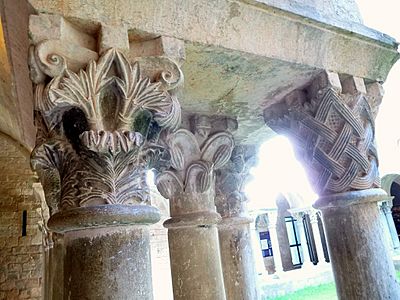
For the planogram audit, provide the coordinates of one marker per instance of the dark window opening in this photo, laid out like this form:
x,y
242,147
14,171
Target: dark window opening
x,y
294,241
24,220
266,245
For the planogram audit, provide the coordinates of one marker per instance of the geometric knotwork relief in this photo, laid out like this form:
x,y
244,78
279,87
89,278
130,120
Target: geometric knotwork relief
x,y
333,134
98,130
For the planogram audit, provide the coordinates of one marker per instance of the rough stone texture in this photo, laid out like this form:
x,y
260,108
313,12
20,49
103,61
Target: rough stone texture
x,y
54,271
21,259
326,11
362,266
196,263
250,53
108,264
238,262
16,100
283,238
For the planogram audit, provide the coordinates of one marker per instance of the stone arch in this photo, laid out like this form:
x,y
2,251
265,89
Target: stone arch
x,y
388,180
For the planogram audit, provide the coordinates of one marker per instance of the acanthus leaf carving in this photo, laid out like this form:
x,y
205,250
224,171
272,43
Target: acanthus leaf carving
x,y
57,163
169,184
184,149
109,179
218,149
110,156
193,166
230,181
199,176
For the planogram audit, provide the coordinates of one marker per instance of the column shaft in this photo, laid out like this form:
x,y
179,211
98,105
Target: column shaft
x,y
392,227
238,262
108,263
304,245
317,238
365,269
195,263
274,241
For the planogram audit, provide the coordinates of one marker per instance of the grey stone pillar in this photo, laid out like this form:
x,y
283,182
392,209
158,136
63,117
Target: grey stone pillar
x,y
304,245
365,269
331,123
272,219
194,250
317,237
394,238
190,186
237,258
257,251
107,252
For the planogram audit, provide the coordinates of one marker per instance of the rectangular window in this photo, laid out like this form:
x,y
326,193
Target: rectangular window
x,y
266,246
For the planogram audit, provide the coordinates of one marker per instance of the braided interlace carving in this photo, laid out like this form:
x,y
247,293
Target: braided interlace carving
x,y
333,133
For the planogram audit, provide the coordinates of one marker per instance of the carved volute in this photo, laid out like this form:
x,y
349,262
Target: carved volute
x,y
98,127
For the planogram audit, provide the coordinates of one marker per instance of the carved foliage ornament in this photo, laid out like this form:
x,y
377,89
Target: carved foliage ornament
x,y
95,132
193,165
231,180
333,134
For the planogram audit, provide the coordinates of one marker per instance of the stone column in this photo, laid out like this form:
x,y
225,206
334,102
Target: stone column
x,y
96,115
387,210
192,231
234,233
331,123
317,236
257,252
107,251
272,219
304,245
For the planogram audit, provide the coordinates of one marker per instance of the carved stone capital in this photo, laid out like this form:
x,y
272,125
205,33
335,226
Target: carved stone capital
x,y
230,199
99,122
331,123
195,157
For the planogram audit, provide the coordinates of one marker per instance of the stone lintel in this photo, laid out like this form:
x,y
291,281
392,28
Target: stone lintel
x,y
246,26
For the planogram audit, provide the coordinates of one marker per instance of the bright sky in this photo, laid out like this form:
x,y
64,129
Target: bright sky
x,y
279,171
383,16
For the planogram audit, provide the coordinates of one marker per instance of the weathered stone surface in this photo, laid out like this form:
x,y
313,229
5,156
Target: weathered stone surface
x,y
234,233
331,123
190,186
16,98
362,266
108,264
101,216
238,263
21,256
250,53
92,148
196,263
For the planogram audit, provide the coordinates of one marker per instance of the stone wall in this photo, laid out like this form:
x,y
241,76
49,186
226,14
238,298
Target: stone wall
x,y
21,264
